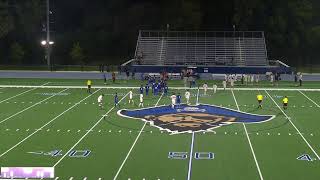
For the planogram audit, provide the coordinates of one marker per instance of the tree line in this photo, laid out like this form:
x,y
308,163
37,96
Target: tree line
x,y
105,31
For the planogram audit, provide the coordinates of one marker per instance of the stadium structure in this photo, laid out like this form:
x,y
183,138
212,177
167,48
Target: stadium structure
x,y
219,52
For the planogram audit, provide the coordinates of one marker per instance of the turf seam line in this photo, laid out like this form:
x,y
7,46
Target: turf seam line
x,y
305,140
31,106
248,138
68,152
21,93
134,143
46,124
309,99
136,87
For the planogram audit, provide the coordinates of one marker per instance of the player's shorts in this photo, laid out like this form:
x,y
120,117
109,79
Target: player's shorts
x,y
89,86
285,104
260,101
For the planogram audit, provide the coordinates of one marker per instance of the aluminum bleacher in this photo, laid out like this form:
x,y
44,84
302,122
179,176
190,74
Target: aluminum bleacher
x,y
210,48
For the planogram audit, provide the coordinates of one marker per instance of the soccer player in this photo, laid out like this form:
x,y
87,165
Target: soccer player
x,y
173,100
113,77
131,97
300,79
141,100
232,82
205,87
178,99
259,98
104,78
187,95
153,88
165,90
100,98
116,100
285,102
141,89
89,83
147,89
214,87
224,83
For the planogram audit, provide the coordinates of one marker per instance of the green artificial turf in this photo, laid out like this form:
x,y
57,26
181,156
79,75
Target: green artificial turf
x,y
42,120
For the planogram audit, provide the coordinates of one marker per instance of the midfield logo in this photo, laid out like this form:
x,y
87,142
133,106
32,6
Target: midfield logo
x,y
188,119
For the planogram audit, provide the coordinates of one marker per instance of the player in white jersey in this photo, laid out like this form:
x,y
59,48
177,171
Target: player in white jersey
x,y
205,87
224,83
141,100
187,96
100,98
131,97
214,87
173,100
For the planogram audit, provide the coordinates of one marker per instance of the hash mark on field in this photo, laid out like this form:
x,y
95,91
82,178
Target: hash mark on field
x,y
56,178
70,178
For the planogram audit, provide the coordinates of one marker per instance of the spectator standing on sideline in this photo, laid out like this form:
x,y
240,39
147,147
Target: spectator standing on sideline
x,y
300,79
113,77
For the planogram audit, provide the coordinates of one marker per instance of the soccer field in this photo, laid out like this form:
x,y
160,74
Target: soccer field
x,y
56,123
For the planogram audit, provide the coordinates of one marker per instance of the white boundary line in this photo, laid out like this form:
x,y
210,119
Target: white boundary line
x,y
305,140
191,157
87,133
31,106
309,99
134,143
137,87
248,138
47,124
33,88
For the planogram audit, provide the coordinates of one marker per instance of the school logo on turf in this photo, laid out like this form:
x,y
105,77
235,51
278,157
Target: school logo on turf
x,y
192,118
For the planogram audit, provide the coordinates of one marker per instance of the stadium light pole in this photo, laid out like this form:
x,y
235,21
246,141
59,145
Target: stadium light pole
x,y
48,35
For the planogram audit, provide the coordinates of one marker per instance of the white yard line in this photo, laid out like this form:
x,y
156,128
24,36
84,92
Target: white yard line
x,y
134,143
91,129
33,88
190,157
248,138
31,106
176,88
46,124
305,140
309,98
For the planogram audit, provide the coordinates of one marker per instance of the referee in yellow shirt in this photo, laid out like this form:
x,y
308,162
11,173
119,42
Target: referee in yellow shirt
x,y
259,98
285,101
89,83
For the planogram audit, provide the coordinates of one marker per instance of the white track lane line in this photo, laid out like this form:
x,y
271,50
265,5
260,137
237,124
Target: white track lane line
x,y
248,138
91,129
23,92
134,143
47,124
309,98
31,106
305,140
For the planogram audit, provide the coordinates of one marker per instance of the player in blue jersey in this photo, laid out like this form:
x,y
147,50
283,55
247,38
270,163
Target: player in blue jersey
x,y
116,100
178,100
155,91
165,90
147,89
141,89
153,86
